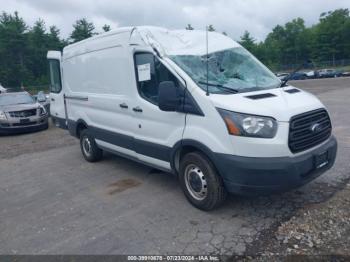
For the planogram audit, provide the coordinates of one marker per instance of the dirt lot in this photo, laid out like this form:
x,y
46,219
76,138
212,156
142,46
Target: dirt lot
x,y
54,202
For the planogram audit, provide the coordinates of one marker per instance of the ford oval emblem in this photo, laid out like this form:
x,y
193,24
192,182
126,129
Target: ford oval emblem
x,y
315,128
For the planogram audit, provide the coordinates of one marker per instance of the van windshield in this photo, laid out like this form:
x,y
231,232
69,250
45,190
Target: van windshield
x,y
233,68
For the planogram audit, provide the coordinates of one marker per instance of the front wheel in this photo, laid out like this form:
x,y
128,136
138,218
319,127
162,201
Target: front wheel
x,y
202,185
89,148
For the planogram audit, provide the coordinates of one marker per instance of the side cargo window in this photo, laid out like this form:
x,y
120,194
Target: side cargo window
x,y
55,76
150,72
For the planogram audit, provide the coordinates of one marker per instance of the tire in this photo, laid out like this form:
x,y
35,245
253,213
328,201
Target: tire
x,y
89,148
202,185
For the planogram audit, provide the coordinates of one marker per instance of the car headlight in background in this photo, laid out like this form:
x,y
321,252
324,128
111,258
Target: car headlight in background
x,y
42,110
2,116
240,124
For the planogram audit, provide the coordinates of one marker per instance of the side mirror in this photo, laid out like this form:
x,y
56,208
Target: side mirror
x,y
168,98
41,97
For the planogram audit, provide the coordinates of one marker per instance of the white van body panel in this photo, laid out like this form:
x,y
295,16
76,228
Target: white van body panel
x,y
57,108
96,71
98,75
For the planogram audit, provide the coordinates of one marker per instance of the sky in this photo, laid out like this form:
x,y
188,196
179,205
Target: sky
x,y
232,16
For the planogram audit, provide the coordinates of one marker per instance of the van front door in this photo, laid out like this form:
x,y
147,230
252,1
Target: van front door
x,y
156,131
57,107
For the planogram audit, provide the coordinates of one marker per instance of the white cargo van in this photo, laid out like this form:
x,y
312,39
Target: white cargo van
x,y
208,112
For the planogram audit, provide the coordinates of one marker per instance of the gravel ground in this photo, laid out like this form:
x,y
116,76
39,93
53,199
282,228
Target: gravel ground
x,y
15,145
318,231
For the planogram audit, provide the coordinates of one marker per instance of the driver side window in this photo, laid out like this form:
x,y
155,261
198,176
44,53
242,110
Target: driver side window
x,y
150,73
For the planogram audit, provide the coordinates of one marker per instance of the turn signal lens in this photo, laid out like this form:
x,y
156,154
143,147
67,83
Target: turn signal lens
x,y
231,127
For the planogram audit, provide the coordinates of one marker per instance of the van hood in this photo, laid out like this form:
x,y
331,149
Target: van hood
x,y
276,103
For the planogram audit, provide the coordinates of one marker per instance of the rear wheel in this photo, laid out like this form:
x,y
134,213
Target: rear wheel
x,y
202,185
89,148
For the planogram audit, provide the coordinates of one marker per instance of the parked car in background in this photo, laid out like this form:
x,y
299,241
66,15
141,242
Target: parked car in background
x,y
312,74
327,73
43,99
298,76
19,112
346,74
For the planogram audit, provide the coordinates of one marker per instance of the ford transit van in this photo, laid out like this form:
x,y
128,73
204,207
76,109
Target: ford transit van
x,y
192,103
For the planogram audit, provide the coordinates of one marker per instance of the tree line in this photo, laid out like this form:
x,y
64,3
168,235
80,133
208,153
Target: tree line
x,y
23,48
294,43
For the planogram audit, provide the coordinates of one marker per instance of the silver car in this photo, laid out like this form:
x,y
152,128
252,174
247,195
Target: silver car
x,y
20,113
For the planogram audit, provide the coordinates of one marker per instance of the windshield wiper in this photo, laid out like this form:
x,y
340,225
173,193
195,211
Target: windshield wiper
x,y
225,88
287,78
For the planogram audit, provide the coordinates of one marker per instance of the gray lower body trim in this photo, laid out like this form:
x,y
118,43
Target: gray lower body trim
x,y
128,142
126,153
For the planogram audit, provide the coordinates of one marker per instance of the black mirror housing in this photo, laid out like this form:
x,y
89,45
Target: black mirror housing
x,y
168,97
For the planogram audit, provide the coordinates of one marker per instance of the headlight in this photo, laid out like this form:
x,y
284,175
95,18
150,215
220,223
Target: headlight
x,y
42,111
239,124
2,116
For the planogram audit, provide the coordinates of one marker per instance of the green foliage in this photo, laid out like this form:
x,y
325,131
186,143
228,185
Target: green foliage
x,y
106,28
248,42
23,49
293,43
82,29
211,28
189,27
13,49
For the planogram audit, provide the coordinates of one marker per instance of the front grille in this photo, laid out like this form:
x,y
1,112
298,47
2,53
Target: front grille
x,y
308,130
24,113
24,124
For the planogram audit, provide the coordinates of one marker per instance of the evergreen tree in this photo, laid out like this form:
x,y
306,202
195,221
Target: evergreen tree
x,y
82,29
106,28
13,50
211,28
189,27
248,42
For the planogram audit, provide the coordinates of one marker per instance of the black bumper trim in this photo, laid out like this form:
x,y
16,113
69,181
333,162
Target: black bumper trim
x,y
260,176
23,129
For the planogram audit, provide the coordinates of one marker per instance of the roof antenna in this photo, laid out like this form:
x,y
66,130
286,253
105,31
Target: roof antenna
x,y
207,60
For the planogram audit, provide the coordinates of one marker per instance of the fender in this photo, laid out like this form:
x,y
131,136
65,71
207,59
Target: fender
x,y
192,143
73,126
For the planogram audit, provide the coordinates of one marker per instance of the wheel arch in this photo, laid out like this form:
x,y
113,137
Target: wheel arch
x,y
75,127
185,146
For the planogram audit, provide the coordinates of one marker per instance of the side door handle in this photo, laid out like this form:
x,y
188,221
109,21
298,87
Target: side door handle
x,y
137,109
123,105
52,99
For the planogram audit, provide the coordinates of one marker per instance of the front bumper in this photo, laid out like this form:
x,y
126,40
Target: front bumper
x,y
261,176
43,124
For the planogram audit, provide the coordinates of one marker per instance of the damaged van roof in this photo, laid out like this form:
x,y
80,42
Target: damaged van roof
x,y
185,42
167,42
